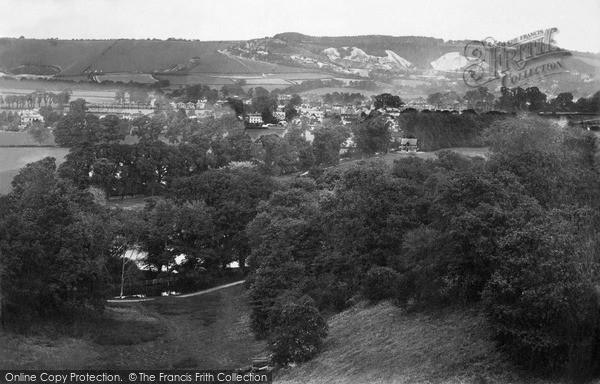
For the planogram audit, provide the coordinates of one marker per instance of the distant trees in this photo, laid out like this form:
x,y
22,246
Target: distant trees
x,y
78,128
445,130
479,97
327,143
443,100
343,98
386,100
372,136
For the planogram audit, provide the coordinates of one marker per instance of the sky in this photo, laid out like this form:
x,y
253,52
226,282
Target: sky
x,y
578,21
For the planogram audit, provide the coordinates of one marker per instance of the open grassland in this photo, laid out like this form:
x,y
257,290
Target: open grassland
x,y
209,331
383,344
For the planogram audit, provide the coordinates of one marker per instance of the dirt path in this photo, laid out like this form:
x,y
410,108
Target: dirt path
x,y
180,296
208,330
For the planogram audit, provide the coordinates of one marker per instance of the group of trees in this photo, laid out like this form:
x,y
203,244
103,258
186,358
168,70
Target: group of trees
x,y
133,94
437,130
10,120
39,98
532,99
343,98
53,248
515,100
515,233
78,128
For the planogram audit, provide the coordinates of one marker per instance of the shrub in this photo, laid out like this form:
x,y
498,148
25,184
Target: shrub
x,y
380,283
269,282
299,332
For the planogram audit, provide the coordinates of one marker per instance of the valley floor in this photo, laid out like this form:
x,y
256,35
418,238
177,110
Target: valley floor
x,y
209,331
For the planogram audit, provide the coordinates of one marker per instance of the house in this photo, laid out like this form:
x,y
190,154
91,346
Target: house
x,y
279,115
255,119
29,116
284,98
408,145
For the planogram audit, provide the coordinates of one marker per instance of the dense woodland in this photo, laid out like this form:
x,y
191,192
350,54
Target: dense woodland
x,y
513,235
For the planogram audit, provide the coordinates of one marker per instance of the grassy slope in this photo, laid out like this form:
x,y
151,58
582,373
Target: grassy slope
x,y
383,344
210,331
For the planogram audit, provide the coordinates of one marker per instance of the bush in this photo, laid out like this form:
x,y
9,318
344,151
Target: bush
x,y
380,284
405,288
299,332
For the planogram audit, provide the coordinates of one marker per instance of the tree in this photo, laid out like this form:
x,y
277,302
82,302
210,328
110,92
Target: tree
x,y
77,127
237,105
327,143
536,99
562,103
38,132
373,135
479,98
149,128
120,96
279,157
380,283
295,101
512,99
234,195
386,100
54,246
541,300
112,129
157,234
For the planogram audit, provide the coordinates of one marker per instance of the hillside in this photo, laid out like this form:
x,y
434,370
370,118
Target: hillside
x,y
209,331
270,62
383,344
76,57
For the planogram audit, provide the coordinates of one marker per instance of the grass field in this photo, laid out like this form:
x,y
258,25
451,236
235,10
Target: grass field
x,y
210,331
12,159
383,344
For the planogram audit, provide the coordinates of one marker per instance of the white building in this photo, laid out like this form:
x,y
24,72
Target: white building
x,y
255,119
30,116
